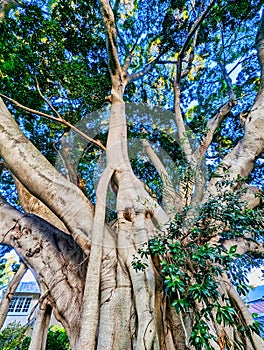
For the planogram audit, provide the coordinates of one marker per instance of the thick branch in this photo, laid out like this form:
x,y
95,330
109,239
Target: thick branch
x,y
245,245
111,32
54,257
10,292
240,161
43,181
33,205
184,140
58,119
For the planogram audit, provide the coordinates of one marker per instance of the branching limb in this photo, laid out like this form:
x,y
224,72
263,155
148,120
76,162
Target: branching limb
x,y
191,33
170,197
195,26
183,136
143,72
10,292
149,67
47,101
58,119
217,119
130,54
43,181
157,60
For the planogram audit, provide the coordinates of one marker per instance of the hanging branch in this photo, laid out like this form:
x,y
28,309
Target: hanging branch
x,y
58,119
90,313
41,326
10,292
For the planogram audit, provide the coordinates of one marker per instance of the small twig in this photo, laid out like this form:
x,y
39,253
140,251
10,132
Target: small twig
x,y
130,54
46,100
140,74
228,82
166,62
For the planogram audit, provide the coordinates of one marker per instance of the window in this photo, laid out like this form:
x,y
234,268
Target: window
x,y
20,304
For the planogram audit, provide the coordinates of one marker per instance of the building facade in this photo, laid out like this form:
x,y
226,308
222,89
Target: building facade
x,y
23,304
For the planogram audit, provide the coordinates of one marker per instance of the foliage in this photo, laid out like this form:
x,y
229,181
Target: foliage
x,y
57,339
13,337
8,267
191,265
62,46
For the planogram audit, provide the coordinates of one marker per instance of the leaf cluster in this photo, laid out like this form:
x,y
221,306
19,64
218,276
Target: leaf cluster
x,y
14,337
191,265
